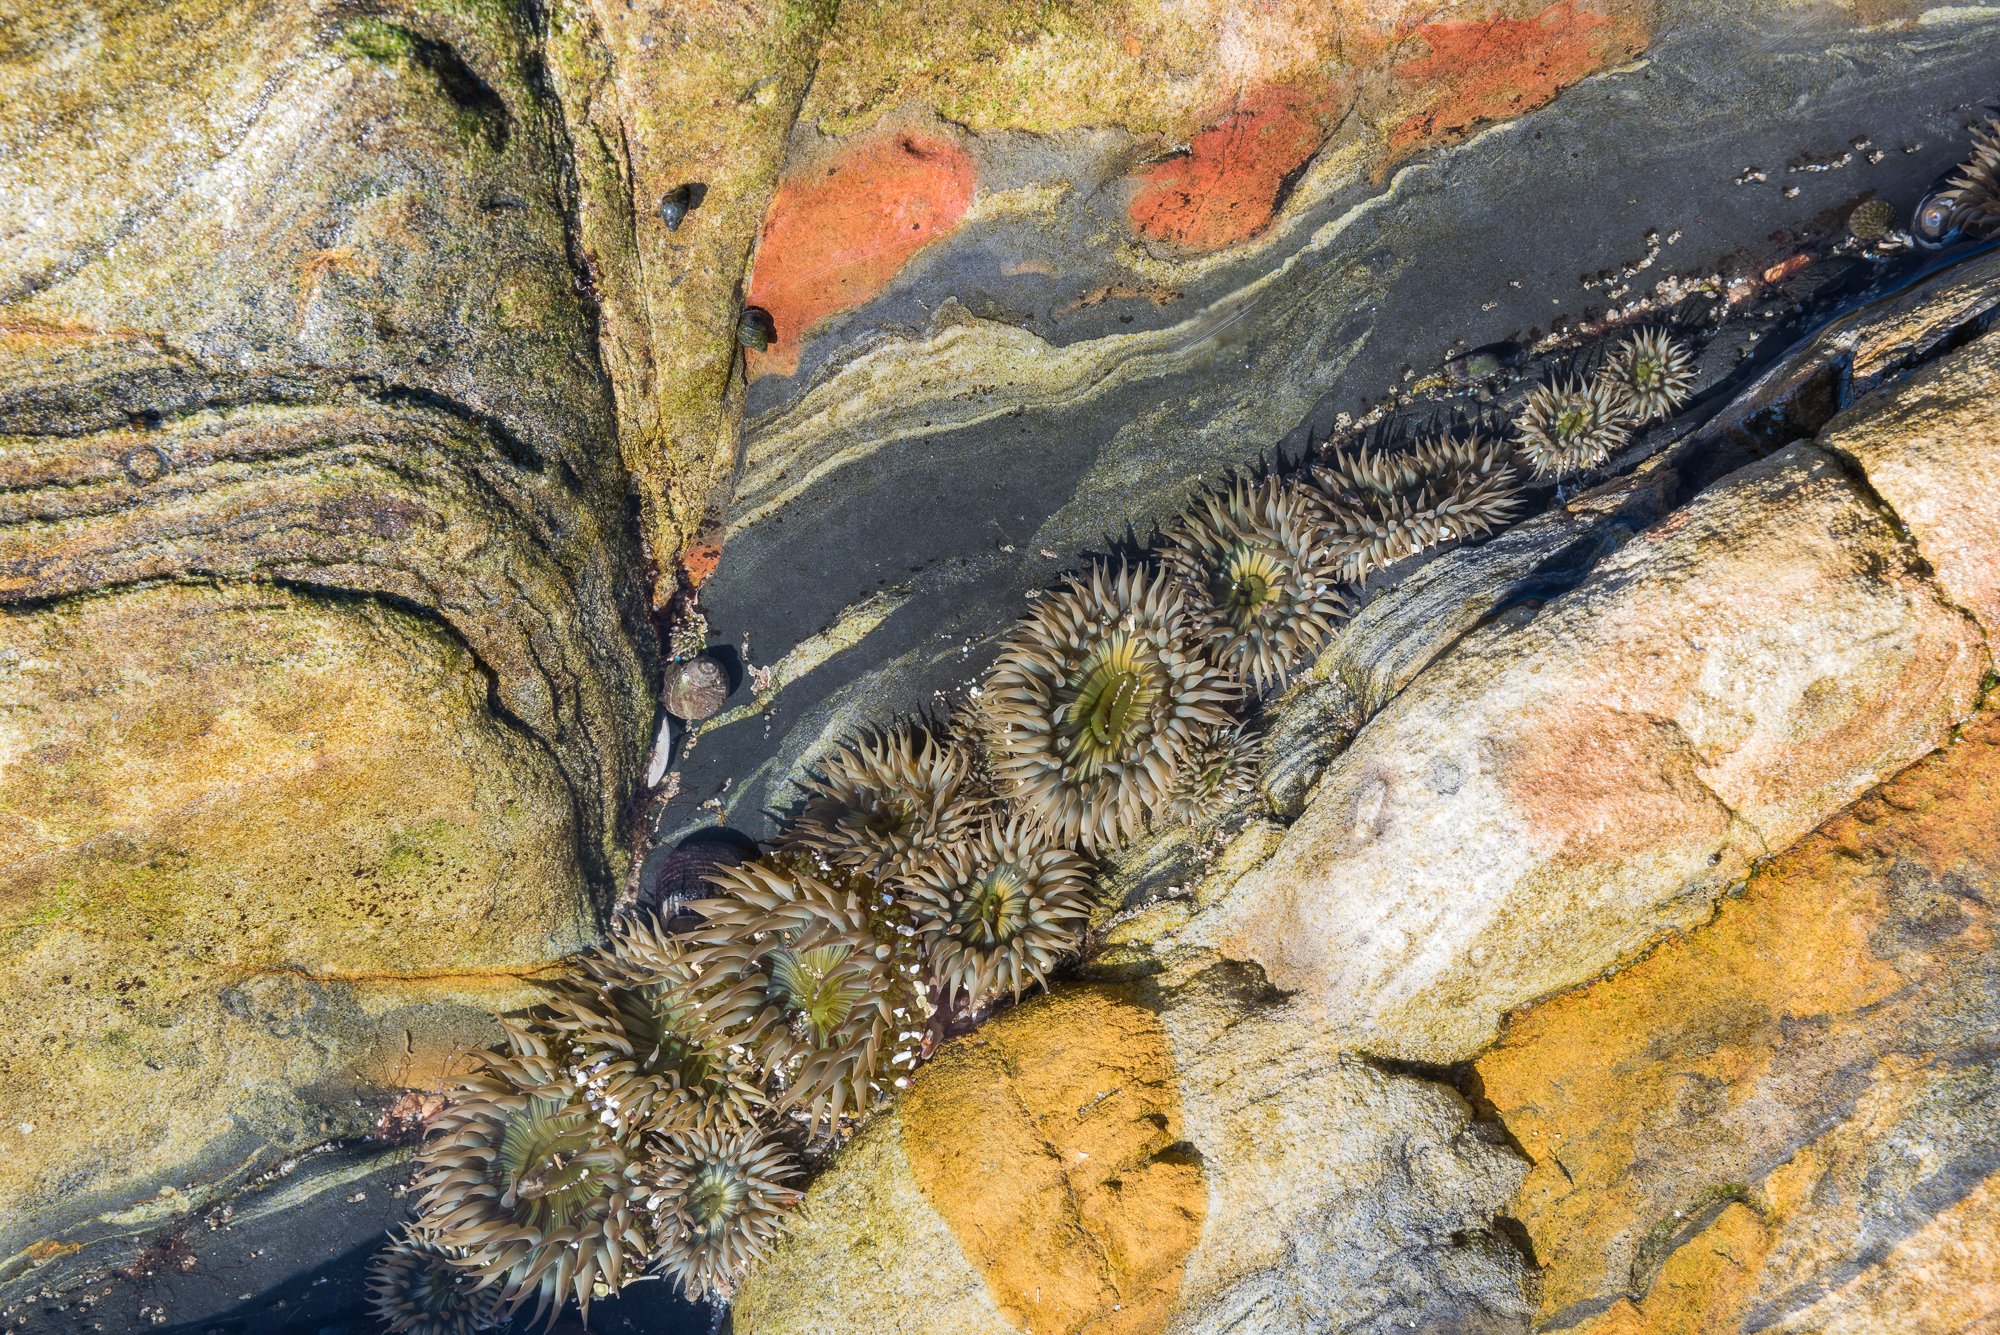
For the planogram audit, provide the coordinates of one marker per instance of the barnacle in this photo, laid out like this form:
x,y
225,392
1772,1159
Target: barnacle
x,y
1258,578
648,1035
1570,427
1384,507
1974,195
1220,769
834,962
887,802
1093,701
1000,909
523,1176
1651,372
418,1286
719,1201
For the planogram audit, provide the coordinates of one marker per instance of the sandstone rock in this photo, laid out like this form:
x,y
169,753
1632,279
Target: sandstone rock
x,y
1566,785
1784,1120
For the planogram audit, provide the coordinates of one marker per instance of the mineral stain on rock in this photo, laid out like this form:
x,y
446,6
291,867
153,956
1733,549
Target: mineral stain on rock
x,y
838,233
1499,67
1234,175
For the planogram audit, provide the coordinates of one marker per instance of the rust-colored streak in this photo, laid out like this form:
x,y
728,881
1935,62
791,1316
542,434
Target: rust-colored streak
x,y
1225,188
836,235
1503,67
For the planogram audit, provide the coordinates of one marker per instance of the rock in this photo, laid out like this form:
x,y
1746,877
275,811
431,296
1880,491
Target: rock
x,y
1785,1120
1565,785
696,689
1103,1159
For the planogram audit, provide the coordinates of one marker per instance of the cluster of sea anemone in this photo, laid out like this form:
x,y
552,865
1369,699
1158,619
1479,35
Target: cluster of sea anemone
x,y
1574,425
643,1119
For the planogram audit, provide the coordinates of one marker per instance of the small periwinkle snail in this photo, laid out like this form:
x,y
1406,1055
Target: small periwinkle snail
x,y
755,328
678,202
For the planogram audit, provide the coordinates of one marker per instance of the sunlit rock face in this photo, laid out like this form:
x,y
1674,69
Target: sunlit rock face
x,y
324,649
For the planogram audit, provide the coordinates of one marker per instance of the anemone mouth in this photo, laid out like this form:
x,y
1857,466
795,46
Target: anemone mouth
x,y
887,802
1092,699
818,988
420,1287
1381,508
1105,710
1000,911
543,1170
1572,426
720,1200
1649,375
994,908
1259,580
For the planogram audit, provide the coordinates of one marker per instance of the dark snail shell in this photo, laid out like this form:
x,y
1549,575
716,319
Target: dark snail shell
x,y
674,206
755,328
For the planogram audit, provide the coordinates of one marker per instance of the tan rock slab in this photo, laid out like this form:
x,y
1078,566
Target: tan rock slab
x,y
1564,787
1931,451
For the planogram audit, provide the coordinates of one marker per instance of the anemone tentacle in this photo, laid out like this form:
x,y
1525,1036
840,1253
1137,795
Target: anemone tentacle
x,y
887,802
1974,195
1258,578
1220,770
1094,700
523,1176
1384,507
1651,373
998,911
419,1287
719,1200
1571,427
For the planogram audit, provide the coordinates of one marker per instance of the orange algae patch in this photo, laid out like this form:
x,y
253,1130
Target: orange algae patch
x,y
1504,67
837,233
1226,187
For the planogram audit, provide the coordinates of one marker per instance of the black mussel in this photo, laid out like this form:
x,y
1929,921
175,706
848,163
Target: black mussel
x,y
755,328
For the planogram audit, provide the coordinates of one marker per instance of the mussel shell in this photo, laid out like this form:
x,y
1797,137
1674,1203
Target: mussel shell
x,y
1934,223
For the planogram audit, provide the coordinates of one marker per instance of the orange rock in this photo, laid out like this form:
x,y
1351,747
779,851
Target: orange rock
x,y
838,232
1227,186
1502,67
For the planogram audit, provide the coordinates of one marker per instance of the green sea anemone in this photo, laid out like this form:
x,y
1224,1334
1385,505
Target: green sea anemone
x,y
1651,373
1258,578
719,1201
999,910
1975,192
1094,700
1220,770
1571,427
1387,506
886,803
417,1286
523,1177
838,966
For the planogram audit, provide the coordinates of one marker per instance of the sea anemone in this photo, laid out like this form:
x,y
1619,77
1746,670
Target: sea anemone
x,y
719,1201
1652,373
1220,770
1000,909
1093,702
1567,428
523,1176
648,1053
1387,506
885,804
836,964
1975,192
418,1286
1258,578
